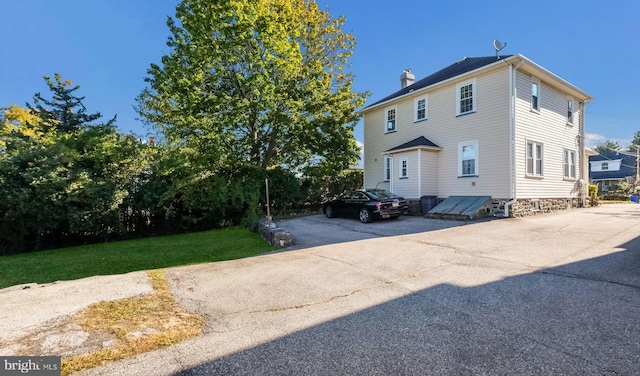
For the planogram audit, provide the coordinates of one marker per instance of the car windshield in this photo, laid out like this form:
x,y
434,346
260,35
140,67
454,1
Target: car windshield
x,y
381,194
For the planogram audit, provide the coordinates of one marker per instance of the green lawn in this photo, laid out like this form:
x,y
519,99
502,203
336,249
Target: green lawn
x,y
130,255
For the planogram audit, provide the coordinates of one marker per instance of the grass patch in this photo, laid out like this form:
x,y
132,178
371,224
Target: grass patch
x,y
139,325
130,255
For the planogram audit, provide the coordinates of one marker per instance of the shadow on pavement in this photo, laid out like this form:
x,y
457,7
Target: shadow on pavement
x,y
574,319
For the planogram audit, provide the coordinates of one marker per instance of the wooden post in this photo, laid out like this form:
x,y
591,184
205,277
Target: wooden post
x,y
266,182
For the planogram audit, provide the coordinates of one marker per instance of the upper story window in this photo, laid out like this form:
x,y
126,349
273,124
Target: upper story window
x,y
466,94
390,119
468,158
534,158
420,108
569,164
570,111
535,94
604,166
404,168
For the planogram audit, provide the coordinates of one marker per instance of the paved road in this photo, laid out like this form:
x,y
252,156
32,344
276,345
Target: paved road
x,y
554,294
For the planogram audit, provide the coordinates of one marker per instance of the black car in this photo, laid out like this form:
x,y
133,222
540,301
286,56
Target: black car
x,y
367,205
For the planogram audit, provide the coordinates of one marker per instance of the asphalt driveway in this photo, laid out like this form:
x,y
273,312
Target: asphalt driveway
x,y
553,294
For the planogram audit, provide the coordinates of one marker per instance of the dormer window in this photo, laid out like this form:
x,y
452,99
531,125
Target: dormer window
x,y
604,166
390,120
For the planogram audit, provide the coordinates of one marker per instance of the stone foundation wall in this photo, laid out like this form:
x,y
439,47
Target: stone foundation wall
x,y
528,207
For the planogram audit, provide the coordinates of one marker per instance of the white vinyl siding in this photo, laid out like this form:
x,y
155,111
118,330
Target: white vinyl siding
x,y
548,128
439,169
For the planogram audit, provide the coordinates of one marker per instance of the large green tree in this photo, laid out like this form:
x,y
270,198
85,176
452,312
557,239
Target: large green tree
x,y
635,143
260,83
608,145
62,179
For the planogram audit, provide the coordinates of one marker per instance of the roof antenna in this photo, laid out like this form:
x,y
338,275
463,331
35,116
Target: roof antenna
x,y
498,46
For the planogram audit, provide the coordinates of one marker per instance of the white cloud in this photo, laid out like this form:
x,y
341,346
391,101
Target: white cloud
x,y
591,140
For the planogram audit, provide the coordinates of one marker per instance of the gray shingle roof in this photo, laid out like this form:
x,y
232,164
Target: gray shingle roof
x,y
459,67
627,168
420,141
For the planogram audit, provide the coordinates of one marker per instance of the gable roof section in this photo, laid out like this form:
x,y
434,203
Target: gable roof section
x,y
627,167
459,67
420,142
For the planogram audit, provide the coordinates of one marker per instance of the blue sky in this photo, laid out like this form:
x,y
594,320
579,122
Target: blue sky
x,y
106,46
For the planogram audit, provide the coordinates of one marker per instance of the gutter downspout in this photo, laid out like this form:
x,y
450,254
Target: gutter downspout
x,y
512,135
584,187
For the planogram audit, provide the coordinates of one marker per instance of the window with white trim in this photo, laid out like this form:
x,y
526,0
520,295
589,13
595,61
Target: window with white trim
x,y
404,168
569,111
420,108
390,119
604,166
466,94
569,164
387,168
468,158
534,158
535,94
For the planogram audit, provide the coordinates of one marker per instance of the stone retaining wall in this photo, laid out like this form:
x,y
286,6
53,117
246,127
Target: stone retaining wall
x,y
273,234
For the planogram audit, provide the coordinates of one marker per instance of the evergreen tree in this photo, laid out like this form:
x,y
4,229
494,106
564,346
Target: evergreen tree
x,y
64,112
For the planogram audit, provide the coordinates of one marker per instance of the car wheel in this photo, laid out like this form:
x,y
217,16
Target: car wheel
x,y
365,215
328,211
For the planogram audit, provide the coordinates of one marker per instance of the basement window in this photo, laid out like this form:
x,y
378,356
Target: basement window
x,y
535,205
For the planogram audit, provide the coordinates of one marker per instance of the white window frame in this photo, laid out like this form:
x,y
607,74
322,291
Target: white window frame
x,y
387,168
537,169
536,81
403,168
416,108
388,110
570,111
604,166
474,97
569,166
476,164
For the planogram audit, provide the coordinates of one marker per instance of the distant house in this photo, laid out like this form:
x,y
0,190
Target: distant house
x,y
609,168
505,129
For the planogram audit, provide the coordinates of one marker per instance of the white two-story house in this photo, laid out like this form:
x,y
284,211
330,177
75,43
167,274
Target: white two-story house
x,y
498,127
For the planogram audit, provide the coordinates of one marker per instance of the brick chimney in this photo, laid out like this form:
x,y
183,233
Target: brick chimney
x,y
406,78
